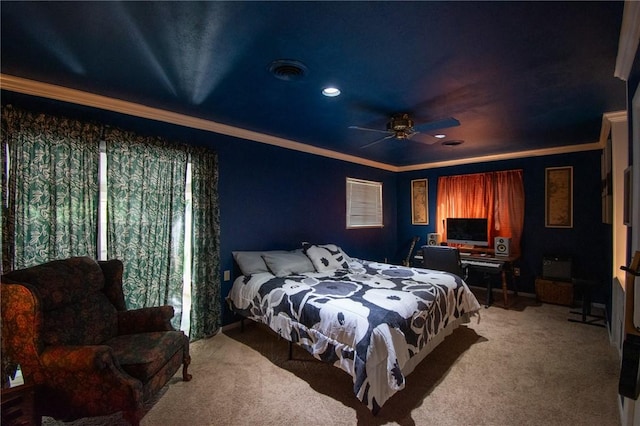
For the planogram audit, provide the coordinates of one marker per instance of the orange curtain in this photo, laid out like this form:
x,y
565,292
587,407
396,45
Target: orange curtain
x,y
498,196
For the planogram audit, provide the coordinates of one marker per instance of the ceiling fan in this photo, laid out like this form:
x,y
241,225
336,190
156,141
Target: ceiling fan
x,y
401,126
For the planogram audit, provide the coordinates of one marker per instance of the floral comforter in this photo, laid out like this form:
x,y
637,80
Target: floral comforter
x,y
368,320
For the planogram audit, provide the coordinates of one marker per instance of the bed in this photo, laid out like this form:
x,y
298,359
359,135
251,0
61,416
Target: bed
x,y
373,320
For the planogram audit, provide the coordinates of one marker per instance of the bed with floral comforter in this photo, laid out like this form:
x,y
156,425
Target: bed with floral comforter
x,y
373,320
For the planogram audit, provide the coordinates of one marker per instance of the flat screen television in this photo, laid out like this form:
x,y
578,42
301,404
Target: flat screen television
x,y
468,231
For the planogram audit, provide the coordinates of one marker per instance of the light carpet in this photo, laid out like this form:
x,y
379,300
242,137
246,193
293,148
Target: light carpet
x,y
524,366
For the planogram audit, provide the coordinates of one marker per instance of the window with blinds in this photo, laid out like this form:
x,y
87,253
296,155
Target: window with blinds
x,y
364,204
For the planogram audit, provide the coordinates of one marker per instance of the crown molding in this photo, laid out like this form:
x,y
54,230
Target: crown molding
x,y
609,118
65,94
629,38
507,156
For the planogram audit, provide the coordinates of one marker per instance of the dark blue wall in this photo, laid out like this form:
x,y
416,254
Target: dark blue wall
x,y
270,197
588,243
274,198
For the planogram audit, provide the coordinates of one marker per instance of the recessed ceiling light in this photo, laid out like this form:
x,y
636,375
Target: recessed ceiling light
x,y
440,136
331,92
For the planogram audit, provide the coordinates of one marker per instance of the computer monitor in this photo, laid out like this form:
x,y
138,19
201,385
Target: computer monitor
x,y
468,231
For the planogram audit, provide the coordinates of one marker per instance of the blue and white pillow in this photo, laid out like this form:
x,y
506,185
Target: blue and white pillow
x,y
326,257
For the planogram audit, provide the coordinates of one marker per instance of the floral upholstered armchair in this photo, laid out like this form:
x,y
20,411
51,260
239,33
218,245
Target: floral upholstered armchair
x,y
65,322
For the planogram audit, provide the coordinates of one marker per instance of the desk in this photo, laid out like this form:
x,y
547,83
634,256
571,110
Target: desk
x,y
488,265
492,265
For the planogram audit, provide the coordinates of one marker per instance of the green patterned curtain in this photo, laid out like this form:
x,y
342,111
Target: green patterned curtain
x,y
205,286
50,209
145,215
52,189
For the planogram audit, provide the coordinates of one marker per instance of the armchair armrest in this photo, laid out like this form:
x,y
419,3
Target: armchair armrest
x,y
156,318
77,358
21,324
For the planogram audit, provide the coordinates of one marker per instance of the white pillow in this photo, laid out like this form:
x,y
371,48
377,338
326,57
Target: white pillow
x,y
327,257
289,263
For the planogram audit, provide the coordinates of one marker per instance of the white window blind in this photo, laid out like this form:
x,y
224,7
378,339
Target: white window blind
x,y
364,204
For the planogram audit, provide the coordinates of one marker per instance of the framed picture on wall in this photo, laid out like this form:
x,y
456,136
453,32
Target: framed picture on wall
x,y
559,197
419,202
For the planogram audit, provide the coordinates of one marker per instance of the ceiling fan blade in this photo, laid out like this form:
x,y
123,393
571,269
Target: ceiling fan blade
x,y
437,124
369,130
423,138
377,141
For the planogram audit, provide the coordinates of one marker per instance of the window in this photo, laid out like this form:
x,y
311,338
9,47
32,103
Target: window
x,y
364,204
103,252
497,196
85,189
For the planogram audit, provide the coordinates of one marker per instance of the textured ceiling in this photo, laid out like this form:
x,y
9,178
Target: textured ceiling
x,y
518,76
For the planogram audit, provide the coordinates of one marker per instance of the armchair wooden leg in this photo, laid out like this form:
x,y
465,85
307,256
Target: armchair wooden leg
x,y
186,360
133,416
185,364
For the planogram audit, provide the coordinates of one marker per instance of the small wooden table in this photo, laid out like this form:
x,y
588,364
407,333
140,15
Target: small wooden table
x,y
18,406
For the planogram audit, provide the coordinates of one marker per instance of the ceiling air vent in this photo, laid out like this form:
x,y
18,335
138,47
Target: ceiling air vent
x,y
288,70
453,142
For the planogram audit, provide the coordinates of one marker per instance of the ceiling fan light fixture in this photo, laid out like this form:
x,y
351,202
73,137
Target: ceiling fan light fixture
x,y
400,123
331,91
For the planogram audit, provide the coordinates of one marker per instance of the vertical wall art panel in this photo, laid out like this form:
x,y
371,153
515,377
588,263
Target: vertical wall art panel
x,y
559,197
419,202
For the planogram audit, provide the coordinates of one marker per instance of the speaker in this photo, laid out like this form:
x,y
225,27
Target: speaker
x,y
433,239
502,246
629,384
554,267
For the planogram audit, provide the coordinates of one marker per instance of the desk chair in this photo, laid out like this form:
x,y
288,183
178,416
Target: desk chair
x,y
443,258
